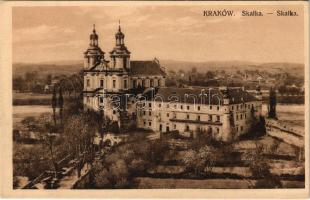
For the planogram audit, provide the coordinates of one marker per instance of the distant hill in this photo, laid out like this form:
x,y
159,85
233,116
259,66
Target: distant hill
x,y
232,66
69,67
57,68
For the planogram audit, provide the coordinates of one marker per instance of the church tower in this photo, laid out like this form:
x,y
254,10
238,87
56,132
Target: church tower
x,y
93,55
120,56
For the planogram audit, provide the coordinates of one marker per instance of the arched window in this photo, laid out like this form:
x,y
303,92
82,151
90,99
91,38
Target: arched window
x,y
125,84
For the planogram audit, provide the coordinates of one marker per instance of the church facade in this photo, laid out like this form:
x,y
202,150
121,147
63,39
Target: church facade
x,y
134,91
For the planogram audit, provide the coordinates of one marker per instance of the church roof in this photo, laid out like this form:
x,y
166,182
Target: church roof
x,y
213,96
146,68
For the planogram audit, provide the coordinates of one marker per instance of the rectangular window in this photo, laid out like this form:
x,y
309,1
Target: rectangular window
x,y
151,83
101,99
232,107
198,117
218,118
134,83
210,117
101,83
114,83
241,128
150,105
144,113
181,107
167,114
87,83
159,105
174,115
236,116
198,107
150,123
125,84
187,116
237,107
144,122
187,107
150,113
217,107
210,107
240,116
175,126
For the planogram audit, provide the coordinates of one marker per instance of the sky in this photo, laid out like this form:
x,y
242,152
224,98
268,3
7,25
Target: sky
x,y
50,34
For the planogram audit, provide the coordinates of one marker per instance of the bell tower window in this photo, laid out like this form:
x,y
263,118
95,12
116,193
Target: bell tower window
x,y
114,83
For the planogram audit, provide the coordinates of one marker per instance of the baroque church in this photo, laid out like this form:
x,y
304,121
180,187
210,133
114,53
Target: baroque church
x,y
116,86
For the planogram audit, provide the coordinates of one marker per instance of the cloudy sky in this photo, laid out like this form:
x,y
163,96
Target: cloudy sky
x,y
47,34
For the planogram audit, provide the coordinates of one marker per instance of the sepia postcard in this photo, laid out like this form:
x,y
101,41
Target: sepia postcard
x,y
154,99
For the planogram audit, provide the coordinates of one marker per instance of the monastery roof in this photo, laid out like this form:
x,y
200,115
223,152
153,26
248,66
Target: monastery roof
x,y
213,96
146,68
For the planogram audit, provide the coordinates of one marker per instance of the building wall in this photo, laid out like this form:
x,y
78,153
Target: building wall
x,y
158,81
187,118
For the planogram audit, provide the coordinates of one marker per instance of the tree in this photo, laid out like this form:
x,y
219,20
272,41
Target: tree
x,y
210,75
260,168
49,79
257,162
272,103
19,84
119,174
201,161
29,122
100,176
282,89
54,105
60,104
78,135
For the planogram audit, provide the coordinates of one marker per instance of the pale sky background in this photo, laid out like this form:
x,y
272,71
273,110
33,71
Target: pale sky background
x,y
47,34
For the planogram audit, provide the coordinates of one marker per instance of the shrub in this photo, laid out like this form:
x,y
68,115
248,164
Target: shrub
x,y
101,176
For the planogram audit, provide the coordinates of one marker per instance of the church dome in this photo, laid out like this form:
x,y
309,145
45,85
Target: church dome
x,y
119,34
94,35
